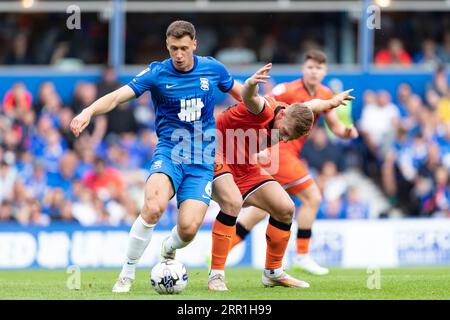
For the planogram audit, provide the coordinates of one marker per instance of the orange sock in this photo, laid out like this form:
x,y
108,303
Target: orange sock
x,y
235,240
223,231
303,245
277,238
240,235
303,239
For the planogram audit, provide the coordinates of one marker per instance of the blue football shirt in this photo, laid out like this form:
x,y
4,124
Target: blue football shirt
x,y
182,98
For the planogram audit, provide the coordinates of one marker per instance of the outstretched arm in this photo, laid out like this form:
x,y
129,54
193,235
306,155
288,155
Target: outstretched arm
x,y
338,128
250,97
100,106
320,105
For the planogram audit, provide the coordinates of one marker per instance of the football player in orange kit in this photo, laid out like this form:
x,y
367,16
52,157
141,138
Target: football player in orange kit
x,y
292,173
238,178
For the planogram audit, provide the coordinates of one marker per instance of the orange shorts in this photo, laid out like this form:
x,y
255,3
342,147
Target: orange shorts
x,y
248,177
291,172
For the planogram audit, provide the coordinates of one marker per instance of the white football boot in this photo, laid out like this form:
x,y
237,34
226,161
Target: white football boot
x,y
283,280
166,255
217,283
306,263
123,284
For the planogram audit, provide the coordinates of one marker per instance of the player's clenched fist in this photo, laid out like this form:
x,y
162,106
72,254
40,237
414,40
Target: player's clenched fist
x,y
80,122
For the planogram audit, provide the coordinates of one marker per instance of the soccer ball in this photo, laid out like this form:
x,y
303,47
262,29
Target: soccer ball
x,y
169,277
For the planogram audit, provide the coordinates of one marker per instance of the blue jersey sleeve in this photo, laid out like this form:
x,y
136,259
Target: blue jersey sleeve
x,y
143,81
226,81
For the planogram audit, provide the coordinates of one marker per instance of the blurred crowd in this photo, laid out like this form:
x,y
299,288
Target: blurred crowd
x,y
406,146
233,39
47,175
328,160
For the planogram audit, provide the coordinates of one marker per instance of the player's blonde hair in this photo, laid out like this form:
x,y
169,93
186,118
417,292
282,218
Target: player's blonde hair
x,y
301,118
180,28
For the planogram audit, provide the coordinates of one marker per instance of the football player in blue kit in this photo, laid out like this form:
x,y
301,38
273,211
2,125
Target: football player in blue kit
x,y
182,89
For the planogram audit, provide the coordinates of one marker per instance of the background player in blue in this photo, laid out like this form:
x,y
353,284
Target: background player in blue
x,y
182,92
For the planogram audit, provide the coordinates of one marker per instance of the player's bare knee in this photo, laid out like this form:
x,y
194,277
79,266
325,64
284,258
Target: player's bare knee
x,y
187,233
152,211
284,212
150,217
312,200
231,206
315,200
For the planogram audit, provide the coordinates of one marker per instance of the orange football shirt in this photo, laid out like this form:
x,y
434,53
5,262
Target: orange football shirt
x,y
238,117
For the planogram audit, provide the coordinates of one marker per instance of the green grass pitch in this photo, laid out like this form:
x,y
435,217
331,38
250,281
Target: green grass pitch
x,y
243,283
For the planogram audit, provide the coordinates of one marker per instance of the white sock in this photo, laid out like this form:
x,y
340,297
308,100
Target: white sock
x,y
273,273
128,270
174,242
213,272
138,240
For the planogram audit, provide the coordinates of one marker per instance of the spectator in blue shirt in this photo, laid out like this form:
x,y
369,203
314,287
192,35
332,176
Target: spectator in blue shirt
x,y
66,174
354,206
36,184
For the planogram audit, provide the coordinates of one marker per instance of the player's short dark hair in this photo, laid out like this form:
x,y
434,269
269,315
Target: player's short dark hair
x,y
316,55
301,117
178,29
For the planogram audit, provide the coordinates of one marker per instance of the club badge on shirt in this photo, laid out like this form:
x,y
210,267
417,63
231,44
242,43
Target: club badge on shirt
x,y
204,84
